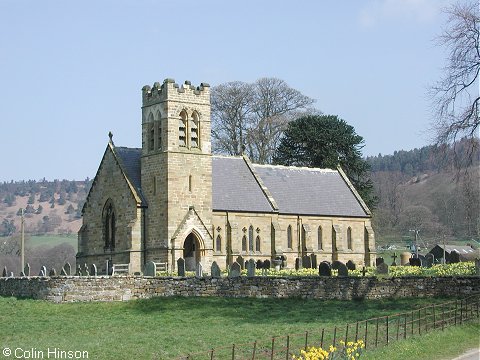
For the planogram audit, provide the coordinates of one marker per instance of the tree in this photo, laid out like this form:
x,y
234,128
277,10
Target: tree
x,y
252,117
455,97
326,141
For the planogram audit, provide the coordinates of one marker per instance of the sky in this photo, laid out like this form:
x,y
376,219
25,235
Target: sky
x,y
71,71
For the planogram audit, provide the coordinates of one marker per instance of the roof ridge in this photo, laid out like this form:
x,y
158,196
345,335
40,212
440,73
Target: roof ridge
x,y
260,183
291,167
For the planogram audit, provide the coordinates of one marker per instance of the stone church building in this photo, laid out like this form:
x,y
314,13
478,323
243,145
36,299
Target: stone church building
x,y
172,198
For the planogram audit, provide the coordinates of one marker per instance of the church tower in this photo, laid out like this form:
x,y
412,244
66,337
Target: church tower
x,y
176,173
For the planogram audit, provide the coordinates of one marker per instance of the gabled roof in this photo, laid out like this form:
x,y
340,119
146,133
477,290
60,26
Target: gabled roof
x,y
461,249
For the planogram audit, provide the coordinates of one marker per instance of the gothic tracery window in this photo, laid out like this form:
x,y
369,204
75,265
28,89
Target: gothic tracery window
x,y
182,129
109,225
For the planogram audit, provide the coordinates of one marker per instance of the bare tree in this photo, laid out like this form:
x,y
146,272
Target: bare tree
x,y
456,96
252,117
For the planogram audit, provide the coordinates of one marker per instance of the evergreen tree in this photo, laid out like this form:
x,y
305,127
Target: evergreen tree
x,y
327,141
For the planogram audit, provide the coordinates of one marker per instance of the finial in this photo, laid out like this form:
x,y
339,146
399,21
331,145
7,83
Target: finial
x,y
110,135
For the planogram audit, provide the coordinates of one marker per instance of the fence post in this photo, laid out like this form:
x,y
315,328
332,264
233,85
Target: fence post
x,y
419,322
387,329
455,317
443,316
321,341
211,354
405,327
461,311
306,340
346,335
366,333
356,332
398,326
413,314
288,347
254,350
376,334
434,320
273,344
334,336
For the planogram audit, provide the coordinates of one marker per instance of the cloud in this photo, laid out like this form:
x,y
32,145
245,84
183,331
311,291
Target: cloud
x,y
419,11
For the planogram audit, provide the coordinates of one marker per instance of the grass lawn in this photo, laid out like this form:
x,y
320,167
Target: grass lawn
x,y
170,327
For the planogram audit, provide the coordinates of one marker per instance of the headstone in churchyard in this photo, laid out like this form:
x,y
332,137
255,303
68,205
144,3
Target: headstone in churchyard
x,y
251,268
259,264
79,271
313,261
44,269
404,256
351,265
93,270
364,270
266,264
298,264
454,257
150,269
181,267
414,261
379,261
340,267
26,269
52,272
22,274
423,260
394,257
382,269
199,270
85,270
68,268
324,269
430,260
215,270
11,274
235,270
4,272
307,262
41,273
241,261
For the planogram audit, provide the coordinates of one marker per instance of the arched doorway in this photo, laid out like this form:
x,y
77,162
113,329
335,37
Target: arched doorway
x,y
191,252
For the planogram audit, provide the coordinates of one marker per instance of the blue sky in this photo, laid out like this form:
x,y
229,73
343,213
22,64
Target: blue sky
x,y
71,71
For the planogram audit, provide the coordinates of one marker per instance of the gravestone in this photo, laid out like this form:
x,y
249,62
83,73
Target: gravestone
x,y
423,260
44,269
324,269
26,270
241,261
351,265
22,274
79,271
340,267
68,268
63,273
41,273
415,261
307,262
379,261
313,261
11,274
215,270
454,257
4,272
52,272
251,268
93,270
181,267
199,270
298,264
394,257
364,271
404,256
235,270
259,264
430,260
150,269
266,264
382,269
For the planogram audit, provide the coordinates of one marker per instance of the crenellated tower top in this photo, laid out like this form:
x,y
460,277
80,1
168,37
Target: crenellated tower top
x,y
170,89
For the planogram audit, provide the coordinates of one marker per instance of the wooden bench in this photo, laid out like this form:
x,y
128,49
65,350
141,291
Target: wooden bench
x,y
120,269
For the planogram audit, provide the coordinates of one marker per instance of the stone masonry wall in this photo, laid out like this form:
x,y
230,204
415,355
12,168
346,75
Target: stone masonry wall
x,y
71,289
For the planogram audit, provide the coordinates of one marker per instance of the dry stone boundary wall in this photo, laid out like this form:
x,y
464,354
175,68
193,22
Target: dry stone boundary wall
x,y
120,288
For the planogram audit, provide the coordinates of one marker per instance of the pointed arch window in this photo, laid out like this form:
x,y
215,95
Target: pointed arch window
x,y
320,238
151,133
109,225
244,243
250,238
159,131
194,130
349,238
289,237
257,244
218,244
182,129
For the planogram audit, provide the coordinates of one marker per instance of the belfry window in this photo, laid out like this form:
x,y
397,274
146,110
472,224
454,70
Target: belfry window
x,y
182,129
159,131
151,145
109,225
194,129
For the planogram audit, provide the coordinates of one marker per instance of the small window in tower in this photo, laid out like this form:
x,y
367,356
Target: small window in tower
x,y
182,129
194,131
159,137
190,183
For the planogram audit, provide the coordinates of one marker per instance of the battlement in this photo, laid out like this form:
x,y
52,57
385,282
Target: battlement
x,y
170,89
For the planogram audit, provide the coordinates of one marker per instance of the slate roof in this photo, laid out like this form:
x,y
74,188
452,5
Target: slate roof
x,y
309,191
235,188
458,248
131,165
